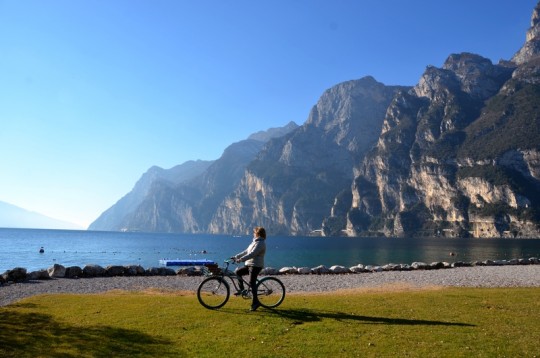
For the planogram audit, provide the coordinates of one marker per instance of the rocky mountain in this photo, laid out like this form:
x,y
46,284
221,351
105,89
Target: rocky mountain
x,y
113,217
181,199
456,155
12,216
291,186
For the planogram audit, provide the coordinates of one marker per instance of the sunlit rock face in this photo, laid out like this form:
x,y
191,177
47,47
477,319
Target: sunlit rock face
x,y
458,155
531,48
292,185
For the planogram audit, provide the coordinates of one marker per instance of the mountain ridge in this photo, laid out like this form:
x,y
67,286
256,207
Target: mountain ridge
x,y
148,207
12,216
456,155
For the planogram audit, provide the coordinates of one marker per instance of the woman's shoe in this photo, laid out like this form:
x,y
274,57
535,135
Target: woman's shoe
x,y
241,293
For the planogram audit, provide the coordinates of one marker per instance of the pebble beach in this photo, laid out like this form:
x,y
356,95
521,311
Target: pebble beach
x,y
478,276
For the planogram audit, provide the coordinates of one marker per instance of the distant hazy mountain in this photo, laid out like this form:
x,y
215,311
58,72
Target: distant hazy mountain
x,y
183,199
114,217
14,217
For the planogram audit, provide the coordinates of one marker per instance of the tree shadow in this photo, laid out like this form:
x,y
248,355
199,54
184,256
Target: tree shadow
x,y
299,316
37,334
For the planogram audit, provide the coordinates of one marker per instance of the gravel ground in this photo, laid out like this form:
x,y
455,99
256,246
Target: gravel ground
x,y
480,276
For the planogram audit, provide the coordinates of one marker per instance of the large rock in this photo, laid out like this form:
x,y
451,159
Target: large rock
x,y
182,271
303,270
320,270
419,266
134,270
39,275
358,268
93,271
166,271
288,270
270,271
339,269
114,270
18,274
57,271
73,272
391,267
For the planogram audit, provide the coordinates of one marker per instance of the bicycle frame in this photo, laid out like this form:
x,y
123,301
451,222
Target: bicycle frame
x,y
214,291
231,275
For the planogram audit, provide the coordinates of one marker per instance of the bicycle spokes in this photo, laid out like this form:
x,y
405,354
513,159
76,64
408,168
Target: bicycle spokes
x,y
270,292
213,292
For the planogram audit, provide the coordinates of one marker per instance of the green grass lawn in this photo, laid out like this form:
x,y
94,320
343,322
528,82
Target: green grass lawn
x,y
456,322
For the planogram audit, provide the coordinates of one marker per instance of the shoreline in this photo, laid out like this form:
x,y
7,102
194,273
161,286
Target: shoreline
x,y
476,276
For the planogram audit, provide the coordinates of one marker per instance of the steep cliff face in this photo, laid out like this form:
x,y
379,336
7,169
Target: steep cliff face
x,y
118,216
458,154
291,186
531,49
184,198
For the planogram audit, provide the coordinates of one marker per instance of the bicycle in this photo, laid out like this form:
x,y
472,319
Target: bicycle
x,y
215,290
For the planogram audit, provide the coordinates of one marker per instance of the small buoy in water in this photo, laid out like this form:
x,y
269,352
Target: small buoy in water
x,y
203,252
41,250
452,254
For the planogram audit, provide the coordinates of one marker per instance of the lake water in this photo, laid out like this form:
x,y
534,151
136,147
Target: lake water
x,y
20,248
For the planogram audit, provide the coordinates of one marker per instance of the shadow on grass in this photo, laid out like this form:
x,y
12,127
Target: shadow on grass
x,y
307,315
36,334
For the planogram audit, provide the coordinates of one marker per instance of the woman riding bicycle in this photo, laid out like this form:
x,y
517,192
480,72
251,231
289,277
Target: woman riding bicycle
x,y
253,257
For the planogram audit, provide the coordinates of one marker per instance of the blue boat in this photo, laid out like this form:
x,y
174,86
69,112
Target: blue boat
x,y
177,262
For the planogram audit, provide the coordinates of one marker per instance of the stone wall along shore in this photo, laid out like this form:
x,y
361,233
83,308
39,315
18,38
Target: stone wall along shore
x,y
20,274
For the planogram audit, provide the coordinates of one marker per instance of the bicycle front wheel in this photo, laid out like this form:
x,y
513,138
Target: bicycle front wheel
x,y
270,292
213,292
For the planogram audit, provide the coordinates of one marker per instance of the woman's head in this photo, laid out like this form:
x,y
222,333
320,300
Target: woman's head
x,y
259,231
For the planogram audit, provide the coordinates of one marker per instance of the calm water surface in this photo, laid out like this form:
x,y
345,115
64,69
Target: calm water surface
x,y
20,248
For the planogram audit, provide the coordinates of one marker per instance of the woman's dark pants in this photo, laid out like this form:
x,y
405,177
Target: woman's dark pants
x,y
253,272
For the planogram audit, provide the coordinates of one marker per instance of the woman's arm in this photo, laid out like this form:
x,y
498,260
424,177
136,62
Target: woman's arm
x,y
240,254
257,249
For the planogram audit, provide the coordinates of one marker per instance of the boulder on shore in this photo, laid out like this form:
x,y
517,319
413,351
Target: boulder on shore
x,y
320,270
162,271
38,275
337,269
73,272
269,271
303,270
93,271
57,271
288,270
18,274
114,270
134,270
419,266
186,271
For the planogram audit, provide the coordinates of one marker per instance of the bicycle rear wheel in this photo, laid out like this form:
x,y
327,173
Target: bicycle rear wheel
x,y
213,292
270,292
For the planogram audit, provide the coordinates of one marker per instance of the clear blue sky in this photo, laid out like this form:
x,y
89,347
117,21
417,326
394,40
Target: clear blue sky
x,y
93,93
